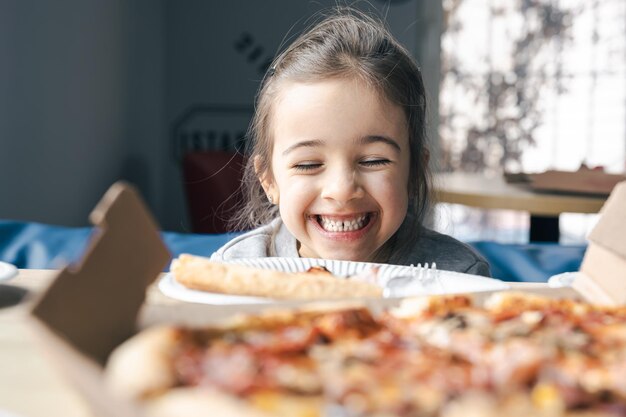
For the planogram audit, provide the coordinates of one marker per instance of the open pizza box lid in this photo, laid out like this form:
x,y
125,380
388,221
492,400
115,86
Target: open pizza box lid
x,y
93,306
602,277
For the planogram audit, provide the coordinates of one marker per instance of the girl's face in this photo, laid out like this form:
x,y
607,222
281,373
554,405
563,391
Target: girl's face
x,y
340,166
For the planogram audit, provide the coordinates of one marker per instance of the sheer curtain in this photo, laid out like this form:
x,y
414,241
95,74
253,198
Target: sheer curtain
x,y
530,85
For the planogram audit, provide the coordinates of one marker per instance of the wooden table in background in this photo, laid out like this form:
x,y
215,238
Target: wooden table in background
x,y
481,191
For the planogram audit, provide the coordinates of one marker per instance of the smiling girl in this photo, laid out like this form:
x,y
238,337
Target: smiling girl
x,y
338,160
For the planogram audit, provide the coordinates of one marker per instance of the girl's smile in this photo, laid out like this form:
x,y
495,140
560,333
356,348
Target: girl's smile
x,y
340,166
340,224
344,228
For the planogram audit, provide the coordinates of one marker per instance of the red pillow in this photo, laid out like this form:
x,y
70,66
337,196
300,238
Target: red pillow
x,y
212,183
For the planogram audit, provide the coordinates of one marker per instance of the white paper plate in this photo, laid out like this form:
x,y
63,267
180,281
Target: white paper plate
x,y
170,287
448,282
7,271
562,280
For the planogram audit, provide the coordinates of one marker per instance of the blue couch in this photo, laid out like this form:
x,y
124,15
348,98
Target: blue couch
x,y
41,246
533,262
36,245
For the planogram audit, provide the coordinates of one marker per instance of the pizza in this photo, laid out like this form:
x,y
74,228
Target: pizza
x,y
514,355
200,273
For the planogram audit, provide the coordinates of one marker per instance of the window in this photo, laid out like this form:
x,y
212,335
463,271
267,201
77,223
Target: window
x,y
530,85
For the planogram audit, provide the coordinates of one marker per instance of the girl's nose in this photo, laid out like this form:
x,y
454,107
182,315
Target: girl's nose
x,y
342,186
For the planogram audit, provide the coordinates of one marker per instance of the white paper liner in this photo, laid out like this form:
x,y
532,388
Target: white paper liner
x,y
7,271
447,281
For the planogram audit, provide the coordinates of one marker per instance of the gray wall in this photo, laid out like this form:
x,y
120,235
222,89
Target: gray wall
x,y
90,90
80,99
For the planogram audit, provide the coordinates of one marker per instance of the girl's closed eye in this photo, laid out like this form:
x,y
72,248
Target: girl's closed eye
x,y
306,166
375,162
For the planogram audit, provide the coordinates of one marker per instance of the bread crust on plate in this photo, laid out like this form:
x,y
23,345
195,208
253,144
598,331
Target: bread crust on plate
x,y
200,273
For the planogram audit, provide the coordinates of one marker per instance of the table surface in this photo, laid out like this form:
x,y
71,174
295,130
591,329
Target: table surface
x,y
493,192
30,386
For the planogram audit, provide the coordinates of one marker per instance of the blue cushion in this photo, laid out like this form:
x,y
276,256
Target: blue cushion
x,y
41,246
535,262
35,245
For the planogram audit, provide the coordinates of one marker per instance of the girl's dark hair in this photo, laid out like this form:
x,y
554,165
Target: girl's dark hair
x,y
345,43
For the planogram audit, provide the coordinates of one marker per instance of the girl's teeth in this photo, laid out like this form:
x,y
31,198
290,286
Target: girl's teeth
x,y
343,225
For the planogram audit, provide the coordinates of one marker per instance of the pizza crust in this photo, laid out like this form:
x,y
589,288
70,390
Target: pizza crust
x,y
202,274
202,402
142,366
199,402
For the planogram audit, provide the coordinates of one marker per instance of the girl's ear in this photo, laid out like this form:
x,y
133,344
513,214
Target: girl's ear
x,y
266,181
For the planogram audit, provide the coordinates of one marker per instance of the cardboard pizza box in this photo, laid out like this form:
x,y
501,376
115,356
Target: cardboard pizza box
x,y
602,277
93,306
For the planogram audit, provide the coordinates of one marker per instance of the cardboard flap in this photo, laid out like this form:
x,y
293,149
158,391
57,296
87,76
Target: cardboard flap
x,y
94,305
86,375
592,291
611,228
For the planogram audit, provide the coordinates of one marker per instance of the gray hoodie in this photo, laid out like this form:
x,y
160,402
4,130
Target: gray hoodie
x,y
274,239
